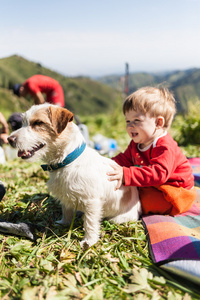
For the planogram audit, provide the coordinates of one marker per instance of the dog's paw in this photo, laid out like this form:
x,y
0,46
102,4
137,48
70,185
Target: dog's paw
x,y
85,244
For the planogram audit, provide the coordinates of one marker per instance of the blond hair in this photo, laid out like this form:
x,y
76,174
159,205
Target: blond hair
x,y
154,101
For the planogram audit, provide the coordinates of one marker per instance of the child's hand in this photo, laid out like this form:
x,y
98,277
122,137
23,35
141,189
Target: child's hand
x,y
116,174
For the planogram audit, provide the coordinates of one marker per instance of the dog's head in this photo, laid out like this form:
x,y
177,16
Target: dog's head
x,y
51,118
42,127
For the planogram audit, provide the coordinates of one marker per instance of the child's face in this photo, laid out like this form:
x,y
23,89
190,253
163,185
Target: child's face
x,y
141,128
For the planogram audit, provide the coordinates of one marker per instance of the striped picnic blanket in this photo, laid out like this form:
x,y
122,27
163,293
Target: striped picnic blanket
x,y
174,242
195,164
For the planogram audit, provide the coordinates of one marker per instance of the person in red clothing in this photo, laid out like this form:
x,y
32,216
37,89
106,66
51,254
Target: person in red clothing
x,y
38,85
153,161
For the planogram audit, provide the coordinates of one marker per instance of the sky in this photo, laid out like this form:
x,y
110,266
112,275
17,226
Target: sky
x,y
98,37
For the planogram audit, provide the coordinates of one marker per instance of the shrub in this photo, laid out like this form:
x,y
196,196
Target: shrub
x,y
187,128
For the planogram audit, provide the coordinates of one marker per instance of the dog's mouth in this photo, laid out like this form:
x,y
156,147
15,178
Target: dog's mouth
x,y
25,154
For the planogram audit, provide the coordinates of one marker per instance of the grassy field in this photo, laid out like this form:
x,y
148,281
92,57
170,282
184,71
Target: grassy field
x,y
55,267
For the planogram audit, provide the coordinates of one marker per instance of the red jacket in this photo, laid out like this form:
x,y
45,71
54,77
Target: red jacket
x,y
162,163
45,85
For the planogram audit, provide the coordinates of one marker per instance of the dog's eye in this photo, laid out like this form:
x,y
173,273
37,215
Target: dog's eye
x,y
37,123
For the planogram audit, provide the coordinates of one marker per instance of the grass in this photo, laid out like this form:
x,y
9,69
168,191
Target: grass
x,y
55,267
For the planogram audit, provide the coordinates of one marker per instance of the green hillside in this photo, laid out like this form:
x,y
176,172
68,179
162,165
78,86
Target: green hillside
x,y
85,96
184,84
10,103
82,95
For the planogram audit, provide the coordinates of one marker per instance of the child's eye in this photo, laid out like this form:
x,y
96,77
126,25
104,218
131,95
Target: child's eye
x,y
136,121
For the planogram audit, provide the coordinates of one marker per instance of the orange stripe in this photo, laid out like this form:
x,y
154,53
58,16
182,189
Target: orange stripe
x,y
159,232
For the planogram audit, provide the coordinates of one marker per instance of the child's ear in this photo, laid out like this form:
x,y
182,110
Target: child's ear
x,y
160,122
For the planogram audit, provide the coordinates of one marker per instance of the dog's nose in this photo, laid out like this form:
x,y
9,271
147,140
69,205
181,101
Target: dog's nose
x,y
12,140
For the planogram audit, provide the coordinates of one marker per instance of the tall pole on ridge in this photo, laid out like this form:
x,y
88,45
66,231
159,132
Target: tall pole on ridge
x,y
126,84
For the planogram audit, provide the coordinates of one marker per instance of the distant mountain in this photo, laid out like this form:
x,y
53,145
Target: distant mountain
x,y
184,84
83,95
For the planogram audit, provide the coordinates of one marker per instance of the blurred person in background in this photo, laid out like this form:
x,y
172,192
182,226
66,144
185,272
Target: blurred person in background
x,y
38,85
15,120
4,132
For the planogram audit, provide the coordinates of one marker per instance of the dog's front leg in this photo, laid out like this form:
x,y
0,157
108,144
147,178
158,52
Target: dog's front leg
x,y
67,215
92,219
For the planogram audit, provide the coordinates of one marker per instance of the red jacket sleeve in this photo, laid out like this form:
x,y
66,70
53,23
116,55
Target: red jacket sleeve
x,y
125,159
162,165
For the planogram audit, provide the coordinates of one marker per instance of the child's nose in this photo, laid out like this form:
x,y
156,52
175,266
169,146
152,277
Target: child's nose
x,y
131,124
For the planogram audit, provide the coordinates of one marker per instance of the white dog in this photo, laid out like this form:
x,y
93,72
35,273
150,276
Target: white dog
x,y
77,172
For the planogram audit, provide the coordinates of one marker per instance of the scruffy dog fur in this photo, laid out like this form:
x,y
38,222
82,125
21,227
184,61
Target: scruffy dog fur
x,y
49,134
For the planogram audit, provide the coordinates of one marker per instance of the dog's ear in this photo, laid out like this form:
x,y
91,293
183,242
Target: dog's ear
x,y
59,118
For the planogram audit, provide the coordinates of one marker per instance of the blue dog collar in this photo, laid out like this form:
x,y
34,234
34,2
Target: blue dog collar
x,y
68,159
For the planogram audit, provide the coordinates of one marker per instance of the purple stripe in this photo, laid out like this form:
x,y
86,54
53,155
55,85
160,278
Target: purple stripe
x,y
176,248
158,219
